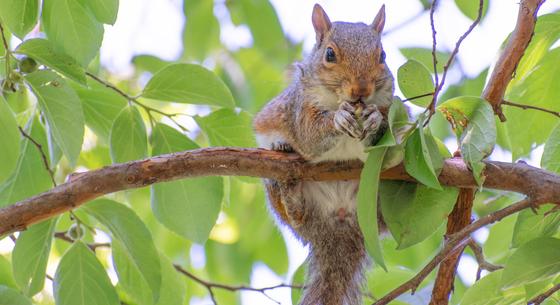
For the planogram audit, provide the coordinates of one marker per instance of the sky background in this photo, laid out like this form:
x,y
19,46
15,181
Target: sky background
x,y
155,27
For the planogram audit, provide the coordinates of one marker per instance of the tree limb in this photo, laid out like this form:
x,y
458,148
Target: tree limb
x,y
459,218
511,55
541,185
540,298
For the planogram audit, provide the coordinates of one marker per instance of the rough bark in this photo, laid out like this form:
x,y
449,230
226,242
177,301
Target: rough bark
x,y
504,69
459,218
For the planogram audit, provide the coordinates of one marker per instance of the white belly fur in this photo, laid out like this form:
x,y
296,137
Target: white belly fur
x,y
346,148
329,196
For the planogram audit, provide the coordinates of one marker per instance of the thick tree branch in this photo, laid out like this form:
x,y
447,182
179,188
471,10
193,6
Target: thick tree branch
x,y
459,218
511,55
541,185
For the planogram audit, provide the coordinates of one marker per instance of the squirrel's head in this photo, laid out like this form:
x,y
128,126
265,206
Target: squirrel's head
x,y
348,58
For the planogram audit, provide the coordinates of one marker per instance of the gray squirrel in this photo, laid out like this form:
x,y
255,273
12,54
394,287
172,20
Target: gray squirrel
x,y
335,106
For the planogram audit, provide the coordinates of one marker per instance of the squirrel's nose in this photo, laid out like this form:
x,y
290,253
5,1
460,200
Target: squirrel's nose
x,y
360,89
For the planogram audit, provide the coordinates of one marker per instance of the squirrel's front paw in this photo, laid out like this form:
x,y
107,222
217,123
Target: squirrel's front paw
x,y
345,122
372,119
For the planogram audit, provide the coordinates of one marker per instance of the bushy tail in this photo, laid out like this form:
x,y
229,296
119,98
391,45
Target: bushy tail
x,y
336,266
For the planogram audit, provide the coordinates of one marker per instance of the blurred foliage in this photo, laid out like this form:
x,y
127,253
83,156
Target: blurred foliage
x,y
218,228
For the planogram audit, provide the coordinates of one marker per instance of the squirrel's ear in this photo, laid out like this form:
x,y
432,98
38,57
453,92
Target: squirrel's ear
x,y
321,22
379,21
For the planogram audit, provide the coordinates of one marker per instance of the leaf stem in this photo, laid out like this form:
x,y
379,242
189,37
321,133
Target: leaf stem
x,y
134,99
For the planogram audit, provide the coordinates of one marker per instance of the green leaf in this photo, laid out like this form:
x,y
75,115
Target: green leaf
x,y
414,80
80,279
535,260
391,280
414,212
30,256
530,226
172,284
9,137
10,296
149,63
264,79
30,176
188,83
540,88
551,156
478,138
487,291
264,25
200,15
128,136
129,229
130,277
19,15
367,204
298,279
422,159
63,111
6,274
424,56
546,33
470,8
42,51
105,11
72,28
225,127
189,207
101,108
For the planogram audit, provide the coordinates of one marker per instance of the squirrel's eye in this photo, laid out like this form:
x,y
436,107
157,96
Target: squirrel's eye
x,y
382,57
329,55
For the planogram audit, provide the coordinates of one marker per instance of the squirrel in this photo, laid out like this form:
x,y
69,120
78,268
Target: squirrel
x,y
335,107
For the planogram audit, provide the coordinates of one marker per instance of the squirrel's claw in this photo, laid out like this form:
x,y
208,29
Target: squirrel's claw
x,y
345,122
372,119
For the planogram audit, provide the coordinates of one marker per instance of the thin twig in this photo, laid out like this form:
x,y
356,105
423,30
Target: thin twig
x,y
439,84
42,152
7,53
64,236
525,107
434,44
540,298
483,264
210,286
134,100
417,97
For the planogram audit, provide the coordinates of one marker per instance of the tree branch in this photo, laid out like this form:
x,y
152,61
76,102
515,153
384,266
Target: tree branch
x,y
459,218
540,298
431,109
42,152
539,184
483,264
525,107
511,55
210,286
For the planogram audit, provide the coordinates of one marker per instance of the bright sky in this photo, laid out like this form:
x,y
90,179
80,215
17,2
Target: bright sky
x,y
155,27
